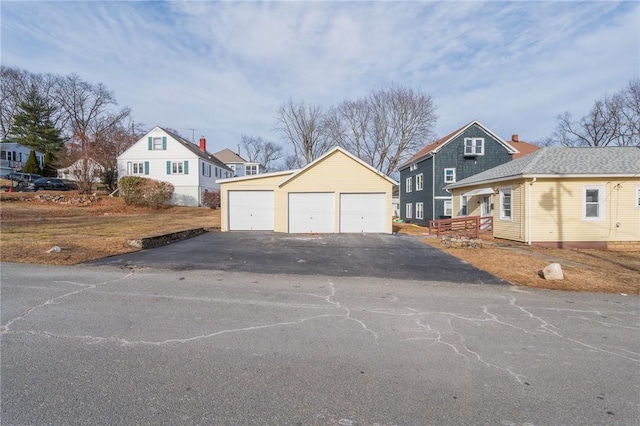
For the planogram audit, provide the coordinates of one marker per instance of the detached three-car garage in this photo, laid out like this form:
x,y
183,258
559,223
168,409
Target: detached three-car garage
x,y
335,193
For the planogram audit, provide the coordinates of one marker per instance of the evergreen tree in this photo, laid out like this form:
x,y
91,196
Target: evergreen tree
x,y
49,169
32,166
32,126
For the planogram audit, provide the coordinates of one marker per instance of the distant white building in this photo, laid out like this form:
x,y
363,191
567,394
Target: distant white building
x,y
82,167
239,165
165,156
13,157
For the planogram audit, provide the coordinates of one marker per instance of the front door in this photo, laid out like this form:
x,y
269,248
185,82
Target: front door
x,y
487,212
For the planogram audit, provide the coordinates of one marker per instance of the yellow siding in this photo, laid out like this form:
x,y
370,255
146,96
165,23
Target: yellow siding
x,y
254,184
553,209
513,229
336,173
557,211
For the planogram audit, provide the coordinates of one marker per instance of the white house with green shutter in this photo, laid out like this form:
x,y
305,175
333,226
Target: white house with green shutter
x,y
165,156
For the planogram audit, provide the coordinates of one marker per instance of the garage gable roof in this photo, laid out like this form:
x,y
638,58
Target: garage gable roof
x,y
318,160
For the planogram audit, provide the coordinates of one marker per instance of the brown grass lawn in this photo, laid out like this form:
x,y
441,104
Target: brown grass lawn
x,y
584,270
95,229
89,228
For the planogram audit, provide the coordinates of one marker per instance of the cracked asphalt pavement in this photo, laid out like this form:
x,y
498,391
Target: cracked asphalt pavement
x,y
133,345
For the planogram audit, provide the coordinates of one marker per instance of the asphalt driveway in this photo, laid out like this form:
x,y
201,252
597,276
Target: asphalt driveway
x,y
336,255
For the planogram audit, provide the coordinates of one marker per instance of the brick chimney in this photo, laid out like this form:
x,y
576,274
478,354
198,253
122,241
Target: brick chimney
x,y
514,138
203,144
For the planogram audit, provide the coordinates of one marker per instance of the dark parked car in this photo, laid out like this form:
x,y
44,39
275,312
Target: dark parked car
x,y
49,183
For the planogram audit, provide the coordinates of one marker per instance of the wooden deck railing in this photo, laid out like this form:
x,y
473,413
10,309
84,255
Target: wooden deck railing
x,y
463,226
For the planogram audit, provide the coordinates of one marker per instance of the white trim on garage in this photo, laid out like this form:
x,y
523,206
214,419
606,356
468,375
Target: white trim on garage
x,y
251,210
311,212
363,213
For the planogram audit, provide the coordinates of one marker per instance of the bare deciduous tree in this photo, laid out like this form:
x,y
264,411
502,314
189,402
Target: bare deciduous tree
x,y
303,126
385,128
88,108
612,120
261,151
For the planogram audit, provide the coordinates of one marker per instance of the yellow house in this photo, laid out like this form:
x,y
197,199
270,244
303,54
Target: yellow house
x,y
336,193
585,197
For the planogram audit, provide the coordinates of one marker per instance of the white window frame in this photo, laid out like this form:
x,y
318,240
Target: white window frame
x,y
504,193
419,210
156,144
206,169
408,184
599,204
464,206
471,146
408,211
638,196
250,169
419,182
448,207
177,168
452,175
413,167
137,168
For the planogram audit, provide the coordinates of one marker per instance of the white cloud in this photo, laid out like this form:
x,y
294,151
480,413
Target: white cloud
x,y
224,67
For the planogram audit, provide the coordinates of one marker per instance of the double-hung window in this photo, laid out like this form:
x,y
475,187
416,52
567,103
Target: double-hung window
x,y
419,210
137,168
408,184
448,208
638,196
593,197
473,146
177,167
206,169
251,169
450,175
408,211
505,203
463,206
419,183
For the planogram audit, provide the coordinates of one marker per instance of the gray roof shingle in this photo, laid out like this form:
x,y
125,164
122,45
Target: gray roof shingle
x,y
196,150
556,161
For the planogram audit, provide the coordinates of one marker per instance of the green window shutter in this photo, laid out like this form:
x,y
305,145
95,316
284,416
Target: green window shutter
x,y
150,140
168,167
164,143
186,167
146,167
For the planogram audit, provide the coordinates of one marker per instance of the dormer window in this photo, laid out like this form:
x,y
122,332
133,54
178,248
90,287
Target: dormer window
x,y
473,147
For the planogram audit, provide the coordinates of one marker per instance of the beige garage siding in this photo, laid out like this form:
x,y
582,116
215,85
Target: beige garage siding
x,y
336,173
270,182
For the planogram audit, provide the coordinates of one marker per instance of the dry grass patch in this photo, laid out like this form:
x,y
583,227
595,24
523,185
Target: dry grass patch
x,y
584,270
31,226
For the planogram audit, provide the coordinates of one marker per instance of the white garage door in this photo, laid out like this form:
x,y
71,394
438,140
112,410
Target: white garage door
x,y
251,210
363,213
311,212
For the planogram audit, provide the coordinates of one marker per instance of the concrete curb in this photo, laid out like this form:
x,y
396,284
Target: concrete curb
x,y
164,239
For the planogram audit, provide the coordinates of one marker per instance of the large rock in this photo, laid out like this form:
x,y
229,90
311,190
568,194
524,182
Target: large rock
x,y
552,271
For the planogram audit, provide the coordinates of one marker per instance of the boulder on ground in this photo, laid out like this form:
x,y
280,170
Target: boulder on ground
x,y
552,271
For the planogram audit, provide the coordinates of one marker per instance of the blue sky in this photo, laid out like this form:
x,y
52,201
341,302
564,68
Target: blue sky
x,y
223,68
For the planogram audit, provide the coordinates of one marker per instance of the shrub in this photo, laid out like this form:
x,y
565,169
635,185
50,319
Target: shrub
x,y
211,199
109,179
143,192
32,166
